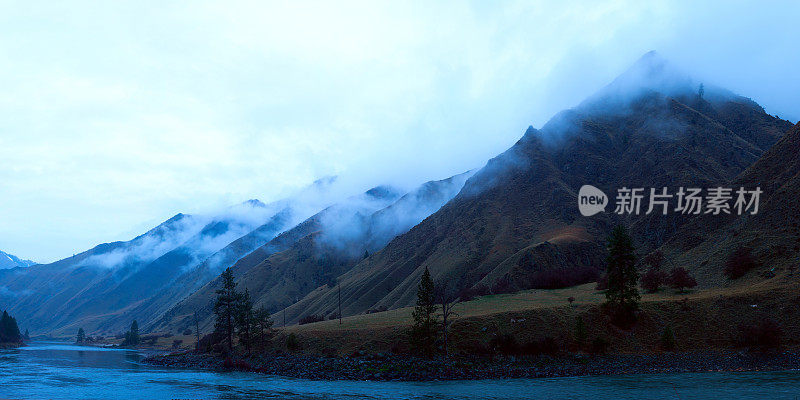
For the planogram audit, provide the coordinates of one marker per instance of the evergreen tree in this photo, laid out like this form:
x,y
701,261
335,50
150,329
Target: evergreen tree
x,y
622,294
81,336
245,319
225,307
9,331
423,332
132,337
263,325
135,333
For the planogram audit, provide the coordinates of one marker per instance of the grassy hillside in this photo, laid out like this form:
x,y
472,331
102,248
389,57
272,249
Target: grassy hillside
x,y
701,320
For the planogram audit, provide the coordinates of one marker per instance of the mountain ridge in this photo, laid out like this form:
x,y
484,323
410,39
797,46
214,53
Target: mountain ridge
x,y
516,219
8,261
317,250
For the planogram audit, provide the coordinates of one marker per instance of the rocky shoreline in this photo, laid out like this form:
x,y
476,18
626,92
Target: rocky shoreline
x,y
383,367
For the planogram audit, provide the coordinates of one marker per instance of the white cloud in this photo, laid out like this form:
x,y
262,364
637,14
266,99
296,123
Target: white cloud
x,y
116,115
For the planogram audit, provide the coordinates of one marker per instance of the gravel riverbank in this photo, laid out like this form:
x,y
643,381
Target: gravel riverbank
x,y
382,367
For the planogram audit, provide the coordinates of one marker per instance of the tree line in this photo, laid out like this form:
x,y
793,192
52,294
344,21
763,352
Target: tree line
x,y
434,306
131,337
237,321
9,330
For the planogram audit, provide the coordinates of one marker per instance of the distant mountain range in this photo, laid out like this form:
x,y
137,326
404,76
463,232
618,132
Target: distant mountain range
x,y
12,261
316,252
511,225
107,287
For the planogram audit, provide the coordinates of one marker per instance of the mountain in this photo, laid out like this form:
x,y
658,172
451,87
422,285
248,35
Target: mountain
x,y
105,288
11,261
161,283
771,235
512,225
93,286
515,224
315,252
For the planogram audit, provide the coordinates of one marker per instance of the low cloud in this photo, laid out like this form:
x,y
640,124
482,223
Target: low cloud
x,y
116,117
369,221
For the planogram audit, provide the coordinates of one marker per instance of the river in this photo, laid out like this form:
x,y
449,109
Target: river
x,y
59,371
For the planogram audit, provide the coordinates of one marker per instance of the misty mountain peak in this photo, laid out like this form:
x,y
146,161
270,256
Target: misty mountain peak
x,y
175,218
530,131
651,73
654,72
383,192
254,203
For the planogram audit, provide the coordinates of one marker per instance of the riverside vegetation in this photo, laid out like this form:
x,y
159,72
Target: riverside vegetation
x,y
10,335
623,334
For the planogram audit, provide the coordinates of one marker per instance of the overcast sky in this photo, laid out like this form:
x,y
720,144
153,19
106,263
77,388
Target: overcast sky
x,y
116,115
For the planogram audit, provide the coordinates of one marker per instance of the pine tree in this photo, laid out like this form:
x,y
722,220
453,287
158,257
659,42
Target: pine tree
x,y
263,325
9,331
81,336
135,333
132,336
244,319
622,295
225,307
423,332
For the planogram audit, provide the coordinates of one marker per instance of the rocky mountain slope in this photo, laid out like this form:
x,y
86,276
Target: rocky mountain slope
x,y
107,287
772,235
516,225
314,253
